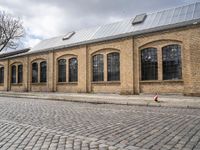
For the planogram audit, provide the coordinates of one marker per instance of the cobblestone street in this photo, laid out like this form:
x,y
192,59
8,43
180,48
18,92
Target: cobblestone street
x,y
43,124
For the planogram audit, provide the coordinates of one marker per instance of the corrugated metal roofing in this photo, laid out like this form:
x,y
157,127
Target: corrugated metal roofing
x,y
175,17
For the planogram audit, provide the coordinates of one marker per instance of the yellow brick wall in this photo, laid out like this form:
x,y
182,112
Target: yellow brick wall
x,y
80,54
130,71
125,48
38,87
193,67
18,86
158,40
4,86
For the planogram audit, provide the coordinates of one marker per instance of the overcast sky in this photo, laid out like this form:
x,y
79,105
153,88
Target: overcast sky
x,y
47,18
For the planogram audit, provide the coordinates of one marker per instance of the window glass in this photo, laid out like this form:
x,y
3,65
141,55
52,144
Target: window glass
x,y
2,75
171,56
98,68
43,71
20,73
149,64
34,73
13,74
113,66
62,70
73,70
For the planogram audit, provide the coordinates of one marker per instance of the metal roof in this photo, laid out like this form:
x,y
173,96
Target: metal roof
x,y
5,54
166,19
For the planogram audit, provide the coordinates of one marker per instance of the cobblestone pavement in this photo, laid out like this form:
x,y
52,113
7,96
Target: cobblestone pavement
x,y
42,124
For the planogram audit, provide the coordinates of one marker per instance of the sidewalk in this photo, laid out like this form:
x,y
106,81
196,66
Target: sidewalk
x,y
141,100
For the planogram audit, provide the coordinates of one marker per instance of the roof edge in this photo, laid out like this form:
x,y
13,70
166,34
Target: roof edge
x,y
114,37
152,30
13,53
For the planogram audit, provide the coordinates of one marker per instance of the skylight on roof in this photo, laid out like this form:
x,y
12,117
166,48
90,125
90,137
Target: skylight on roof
x,y
139,18
68,35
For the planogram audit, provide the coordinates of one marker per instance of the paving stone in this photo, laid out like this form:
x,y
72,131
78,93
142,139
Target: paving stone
x,y
42,124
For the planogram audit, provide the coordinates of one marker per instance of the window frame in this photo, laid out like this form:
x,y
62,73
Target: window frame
x,y
20,74
151,52
110,73
98,72
1,75
61,74
34,78
13,76
73,73
171,73
43,78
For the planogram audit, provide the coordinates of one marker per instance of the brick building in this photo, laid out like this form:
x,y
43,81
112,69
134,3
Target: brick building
x,y
157,52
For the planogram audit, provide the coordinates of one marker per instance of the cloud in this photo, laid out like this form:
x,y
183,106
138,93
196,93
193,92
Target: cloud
x,y
47,18
47,23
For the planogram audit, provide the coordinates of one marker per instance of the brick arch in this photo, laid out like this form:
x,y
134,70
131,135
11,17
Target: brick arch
x,y
162,42
67,55
16,63
171,45
148,47
105,51
38,59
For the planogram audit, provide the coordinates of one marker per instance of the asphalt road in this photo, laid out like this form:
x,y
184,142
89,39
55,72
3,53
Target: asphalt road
x,y
42,124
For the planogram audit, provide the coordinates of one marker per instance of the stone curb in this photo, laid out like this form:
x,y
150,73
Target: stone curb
x,y
94,100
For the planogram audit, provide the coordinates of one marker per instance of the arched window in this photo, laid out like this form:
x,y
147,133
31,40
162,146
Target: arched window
x,y
98,67
172,68
113,65
73,70
13,74
149,64
62,70
2,75
20,73
34,73
43,71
